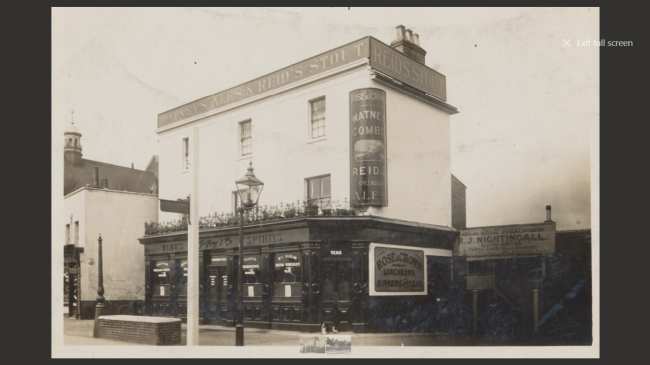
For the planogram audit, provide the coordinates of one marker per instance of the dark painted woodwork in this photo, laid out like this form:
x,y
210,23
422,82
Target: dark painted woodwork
x,y
331,270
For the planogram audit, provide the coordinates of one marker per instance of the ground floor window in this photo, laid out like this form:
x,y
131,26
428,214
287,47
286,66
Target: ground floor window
x,y
287,270
161,279
251,270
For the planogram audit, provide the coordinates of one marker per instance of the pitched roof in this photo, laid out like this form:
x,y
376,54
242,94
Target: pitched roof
x,y
118,177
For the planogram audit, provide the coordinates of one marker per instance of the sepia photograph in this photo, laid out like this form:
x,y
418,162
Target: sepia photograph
x,y
325,182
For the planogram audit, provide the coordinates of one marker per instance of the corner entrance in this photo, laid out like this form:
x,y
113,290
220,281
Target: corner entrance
x,y
336,295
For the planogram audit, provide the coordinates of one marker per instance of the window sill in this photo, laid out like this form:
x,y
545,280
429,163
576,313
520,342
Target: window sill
x,y
246,157
316,140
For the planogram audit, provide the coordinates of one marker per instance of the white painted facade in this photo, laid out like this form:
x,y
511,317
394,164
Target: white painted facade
x,y
284,154
119,217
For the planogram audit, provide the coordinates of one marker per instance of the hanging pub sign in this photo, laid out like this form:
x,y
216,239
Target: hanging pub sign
x,y
396,270
367,147
507,241
181,206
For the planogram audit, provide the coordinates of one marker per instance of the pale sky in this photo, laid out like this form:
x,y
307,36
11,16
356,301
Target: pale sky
x,y
527,94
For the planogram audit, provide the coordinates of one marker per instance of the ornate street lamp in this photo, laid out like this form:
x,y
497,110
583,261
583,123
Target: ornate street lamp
x,y
249,189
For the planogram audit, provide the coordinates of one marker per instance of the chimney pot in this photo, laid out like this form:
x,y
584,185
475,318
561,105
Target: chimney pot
x,y
409,35
400,33
548,213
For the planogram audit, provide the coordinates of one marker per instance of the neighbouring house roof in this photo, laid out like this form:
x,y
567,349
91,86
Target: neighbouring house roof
x,y
152,166
113,176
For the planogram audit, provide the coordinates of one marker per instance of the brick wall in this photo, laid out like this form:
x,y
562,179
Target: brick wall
x,y
134,307
151,333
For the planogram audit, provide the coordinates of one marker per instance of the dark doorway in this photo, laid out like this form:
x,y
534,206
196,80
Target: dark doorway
x,y
71,292
219,283
336,295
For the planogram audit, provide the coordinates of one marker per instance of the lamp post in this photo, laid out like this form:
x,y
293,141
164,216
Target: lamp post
x,y
99,306
249,189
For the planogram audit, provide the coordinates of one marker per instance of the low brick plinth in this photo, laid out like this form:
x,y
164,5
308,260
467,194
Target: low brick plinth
x,y
139,329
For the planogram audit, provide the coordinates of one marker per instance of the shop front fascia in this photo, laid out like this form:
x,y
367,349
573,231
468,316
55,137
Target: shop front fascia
x,y
296,273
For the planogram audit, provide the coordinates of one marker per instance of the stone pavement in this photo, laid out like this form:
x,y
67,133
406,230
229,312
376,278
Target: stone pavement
x,y
80,332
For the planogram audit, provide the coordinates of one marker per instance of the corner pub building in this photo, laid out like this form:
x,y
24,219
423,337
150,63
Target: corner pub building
x,y
354,227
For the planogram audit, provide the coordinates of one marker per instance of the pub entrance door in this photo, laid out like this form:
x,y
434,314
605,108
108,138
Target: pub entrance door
x,y
336,295
217,297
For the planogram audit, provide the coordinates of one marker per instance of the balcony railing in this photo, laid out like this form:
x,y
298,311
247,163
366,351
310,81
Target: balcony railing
x,y
263,213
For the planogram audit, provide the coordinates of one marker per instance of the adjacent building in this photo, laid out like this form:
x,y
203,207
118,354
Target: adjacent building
x,y
113,202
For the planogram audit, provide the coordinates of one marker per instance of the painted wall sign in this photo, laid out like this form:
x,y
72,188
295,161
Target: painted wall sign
x,y
312,66
507,241
397,271
396,65
381,57
250,240
287,260
156,248
368,147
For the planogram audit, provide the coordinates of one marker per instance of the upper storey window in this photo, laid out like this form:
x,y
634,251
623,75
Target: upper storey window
x,y
319,191
186,153
317,113
246,137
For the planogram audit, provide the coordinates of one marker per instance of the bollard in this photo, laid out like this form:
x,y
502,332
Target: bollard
x,y
535,309
475,312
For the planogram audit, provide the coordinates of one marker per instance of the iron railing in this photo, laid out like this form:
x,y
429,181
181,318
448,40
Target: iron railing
x,y
262,213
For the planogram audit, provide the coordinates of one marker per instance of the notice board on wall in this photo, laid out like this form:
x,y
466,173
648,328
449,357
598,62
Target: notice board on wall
x,y
507,241
396,270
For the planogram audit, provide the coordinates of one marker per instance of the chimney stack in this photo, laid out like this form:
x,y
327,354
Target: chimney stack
x,y
96,177
408,43
548,214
